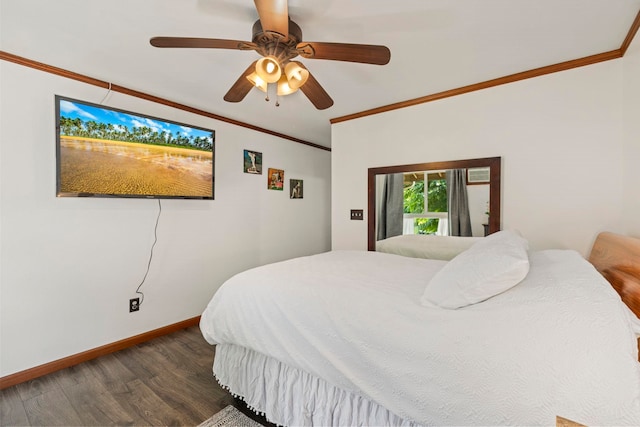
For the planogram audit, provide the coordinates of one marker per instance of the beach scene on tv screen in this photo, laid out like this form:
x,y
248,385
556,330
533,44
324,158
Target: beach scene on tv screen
x,y
110,152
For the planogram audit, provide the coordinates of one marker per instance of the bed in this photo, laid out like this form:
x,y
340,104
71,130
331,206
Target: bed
x,y
359,338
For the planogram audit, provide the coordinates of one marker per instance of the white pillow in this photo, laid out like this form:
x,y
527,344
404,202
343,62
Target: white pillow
x,y
426,246
491,266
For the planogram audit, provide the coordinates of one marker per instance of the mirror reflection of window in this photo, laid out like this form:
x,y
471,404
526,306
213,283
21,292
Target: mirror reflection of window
x,y
423,211
425,203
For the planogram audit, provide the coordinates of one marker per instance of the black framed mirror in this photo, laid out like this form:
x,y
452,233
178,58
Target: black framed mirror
x,y
493,163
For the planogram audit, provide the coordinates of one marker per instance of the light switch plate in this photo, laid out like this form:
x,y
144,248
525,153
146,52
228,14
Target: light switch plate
x,y
357,214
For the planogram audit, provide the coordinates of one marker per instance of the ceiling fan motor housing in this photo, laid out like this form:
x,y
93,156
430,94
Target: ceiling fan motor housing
x,y
271,43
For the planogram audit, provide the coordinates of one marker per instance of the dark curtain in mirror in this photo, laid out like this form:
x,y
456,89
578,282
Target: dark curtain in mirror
x,y
391,208
458,203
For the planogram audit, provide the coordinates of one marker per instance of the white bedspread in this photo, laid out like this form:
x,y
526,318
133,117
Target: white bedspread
x,y
559,343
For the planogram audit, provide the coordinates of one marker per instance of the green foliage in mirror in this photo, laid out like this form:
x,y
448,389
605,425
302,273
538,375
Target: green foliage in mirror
x,y
414,202
414,197
437,195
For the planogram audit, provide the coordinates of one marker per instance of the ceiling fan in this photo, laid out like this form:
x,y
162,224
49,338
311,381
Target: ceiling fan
x,y
278,39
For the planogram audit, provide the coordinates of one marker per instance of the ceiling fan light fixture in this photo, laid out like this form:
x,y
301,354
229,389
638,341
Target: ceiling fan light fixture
x,y
257,81
277,39
284,88
268,69
296,74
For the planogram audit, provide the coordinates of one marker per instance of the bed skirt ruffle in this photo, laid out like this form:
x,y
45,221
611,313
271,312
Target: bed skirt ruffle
x,y
288,396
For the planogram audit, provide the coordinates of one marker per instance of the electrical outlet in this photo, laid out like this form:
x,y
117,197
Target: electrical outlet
x,y
134,304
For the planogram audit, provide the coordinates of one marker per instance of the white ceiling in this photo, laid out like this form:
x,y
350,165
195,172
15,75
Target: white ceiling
x,y
435,45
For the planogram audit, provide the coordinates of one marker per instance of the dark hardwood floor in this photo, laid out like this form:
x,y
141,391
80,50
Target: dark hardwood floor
x,y
164,382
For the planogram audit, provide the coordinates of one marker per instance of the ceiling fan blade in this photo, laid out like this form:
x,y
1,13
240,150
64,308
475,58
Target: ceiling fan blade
x,y
316,94
241,87
274,16
362,53
196,42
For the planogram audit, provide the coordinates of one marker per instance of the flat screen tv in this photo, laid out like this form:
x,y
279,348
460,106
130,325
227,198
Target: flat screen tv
x,y
107,152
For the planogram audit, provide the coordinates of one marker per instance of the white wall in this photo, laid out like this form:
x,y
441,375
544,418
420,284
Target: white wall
x,y
70,265
559,136
631,89
478,196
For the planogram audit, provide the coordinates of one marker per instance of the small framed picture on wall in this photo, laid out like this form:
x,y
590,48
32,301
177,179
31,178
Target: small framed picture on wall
x,y
252,162
276,179
295,188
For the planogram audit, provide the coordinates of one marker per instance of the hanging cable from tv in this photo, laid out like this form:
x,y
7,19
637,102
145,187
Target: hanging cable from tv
x,y
155,240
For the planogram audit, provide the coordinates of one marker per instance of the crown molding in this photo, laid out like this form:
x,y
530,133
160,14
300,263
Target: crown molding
x,y
6,56
555,68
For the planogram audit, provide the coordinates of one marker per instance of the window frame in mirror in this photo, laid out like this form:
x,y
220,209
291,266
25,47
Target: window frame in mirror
x,y
494,163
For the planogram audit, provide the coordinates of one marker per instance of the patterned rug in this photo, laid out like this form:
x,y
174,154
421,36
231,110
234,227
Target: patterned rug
x,y
230,417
